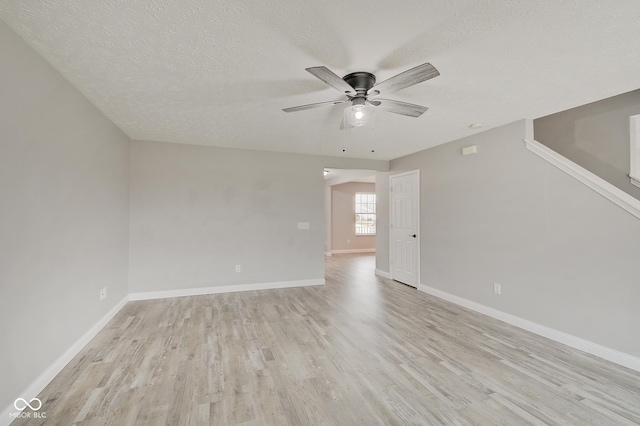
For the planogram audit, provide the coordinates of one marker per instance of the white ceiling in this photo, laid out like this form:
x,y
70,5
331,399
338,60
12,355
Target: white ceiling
x,y
219,72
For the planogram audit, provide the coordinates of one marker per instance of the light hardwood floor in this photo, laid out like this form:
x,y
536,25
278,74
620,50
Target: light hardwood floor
x,y
361,350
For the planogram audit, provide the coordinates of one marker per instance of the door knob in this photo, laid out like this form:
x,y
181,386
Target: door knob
x,y
413,236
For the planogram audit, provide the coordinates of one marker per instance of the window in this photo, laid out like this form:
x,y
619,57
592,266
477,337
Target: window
x,y
635,150
365,214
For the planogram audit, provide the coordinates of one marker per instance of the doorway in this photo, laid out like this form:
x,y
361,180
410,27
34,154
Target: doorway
x,y
349,211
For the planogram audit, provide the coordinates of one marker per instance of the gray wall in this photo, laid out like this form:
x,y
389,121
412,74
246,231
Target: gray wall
x,y
196,212
382,225
565,256
343,220
64,191
595,136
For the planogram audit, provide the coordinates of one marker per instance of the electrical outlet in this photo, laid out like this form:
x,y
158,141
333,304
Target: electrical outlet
x,y
348,241
103,294
238,268
497,288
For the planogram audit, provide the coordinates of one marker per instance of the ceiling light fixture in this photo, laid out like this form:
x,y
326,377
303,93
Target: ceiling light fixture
x,y
362,92
359,114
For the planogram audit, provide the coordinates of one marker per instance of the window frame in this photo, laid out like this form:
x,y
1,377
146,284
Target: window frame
x,y
358,229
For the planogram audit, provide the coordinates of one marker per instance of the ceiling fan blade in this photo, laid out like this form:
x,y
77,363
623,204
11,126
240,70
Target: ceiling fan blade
x,y
374,102
311,106
402,108
332,79
405,79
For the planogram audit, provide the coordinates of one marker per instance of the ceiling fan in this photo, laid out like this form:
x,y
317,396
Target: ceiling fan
x,y
362,91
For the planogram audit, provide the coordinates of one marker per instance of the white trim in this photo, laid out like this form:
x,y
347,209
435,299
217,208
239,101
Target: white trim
x,y
587,346
366,250
634,143
224,289
404,173
328,226
383,274
54,369
602,187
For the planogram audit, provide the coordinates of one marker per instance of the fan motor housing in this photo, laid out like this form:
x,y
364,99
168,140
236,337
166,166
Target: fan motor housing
x,y
361,81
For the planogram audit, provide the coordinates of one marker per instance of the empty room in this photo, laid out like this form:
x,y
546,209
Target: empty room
x,y
319,213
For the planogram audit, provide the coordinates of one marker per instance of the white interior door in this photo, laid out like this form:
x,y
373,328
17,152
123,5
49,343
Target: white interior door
x,y
404,227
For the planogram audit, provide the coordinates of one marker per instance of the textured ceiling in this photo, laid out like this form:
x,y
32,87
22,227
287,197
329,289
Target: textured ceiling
x,y
219,72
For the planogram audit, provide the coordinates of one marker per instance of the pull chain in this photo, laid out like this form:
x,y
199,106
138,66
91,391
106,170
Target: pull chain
x,y
373,146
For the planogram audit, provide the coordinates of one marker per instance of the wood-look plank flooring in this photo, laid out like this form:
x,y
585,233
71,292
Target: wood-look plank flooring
x,y
361,350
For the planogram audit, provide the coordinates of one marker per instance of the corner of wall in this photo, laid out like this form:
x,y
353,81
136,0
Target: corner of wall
x,y
528,128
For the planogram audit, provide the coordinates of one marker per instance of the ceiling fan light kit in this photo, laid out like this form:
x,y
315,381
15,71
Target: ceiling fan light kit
x,y
358,114
361,90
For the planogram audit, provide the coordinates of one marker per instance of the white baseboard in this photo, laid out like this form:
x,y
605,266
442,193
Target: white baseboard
x,y
587,346
224,289
383,274
327,253
47,376
367,250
